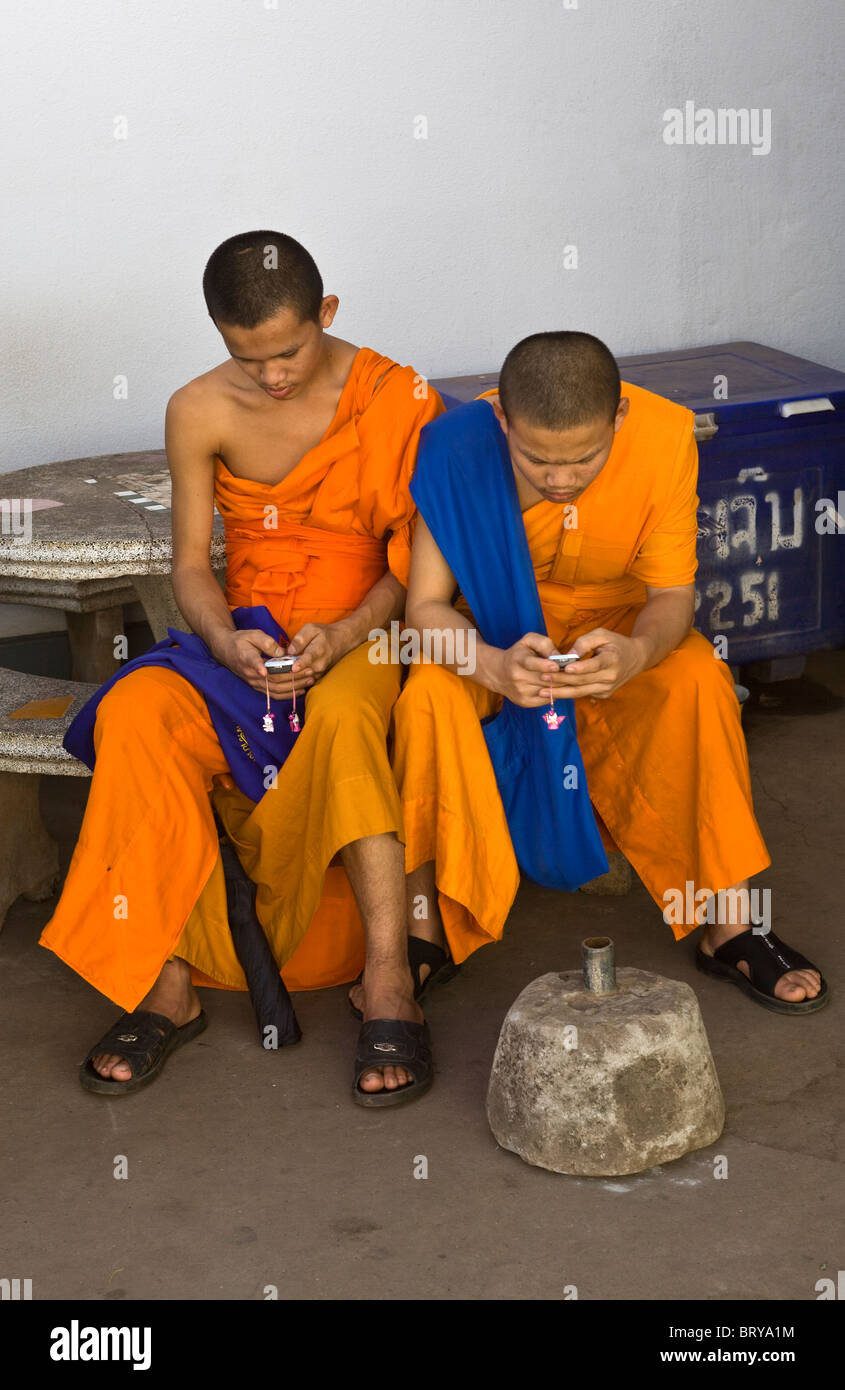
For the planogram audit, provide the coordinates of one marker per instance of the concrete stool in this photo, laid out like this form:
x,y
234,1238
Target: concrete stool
x,y
29,857
604,1075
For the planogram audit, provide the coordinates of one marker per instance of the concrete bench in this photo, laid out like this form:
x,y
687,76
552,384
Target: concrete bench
x,y
88,536
29,857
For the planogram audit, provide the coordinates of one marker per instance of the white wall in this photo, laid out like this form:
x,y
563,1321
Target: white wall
x,y
544,129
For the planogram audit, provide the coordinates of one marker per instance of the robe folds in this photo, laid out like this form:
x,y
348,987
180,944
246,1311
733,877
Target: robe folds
x,y
664,756
146,879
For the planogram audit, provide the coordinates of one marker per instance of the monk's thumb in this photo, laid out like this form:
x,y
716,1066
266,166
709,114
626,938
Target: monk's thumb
x,y
590,642
536,642
296,646
266,644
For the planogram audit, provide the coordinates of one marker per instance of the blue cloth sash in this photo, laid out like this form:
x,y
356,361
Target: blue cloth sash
x,y
465,489
235,709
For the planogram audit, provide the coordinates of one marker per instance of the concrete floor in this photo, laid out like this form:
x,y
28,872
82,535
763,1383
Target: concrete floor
x,y
232,1188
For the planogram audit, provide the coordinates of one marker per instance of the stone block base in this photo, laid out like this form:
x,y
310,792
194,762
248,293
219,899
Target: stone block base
x,y
604,1085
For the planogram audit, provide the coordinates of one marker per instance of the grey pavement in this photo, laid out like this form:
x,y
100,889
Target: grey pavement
x,y
249,1169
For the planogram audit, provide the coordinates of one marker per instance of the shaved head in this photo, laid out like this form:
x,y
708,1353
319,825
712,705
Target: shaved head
x,y
250,277
559,381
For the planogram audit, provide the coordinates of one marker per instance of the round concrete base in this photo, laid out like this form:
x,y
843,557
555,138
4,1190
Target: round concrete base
x,y
604,1085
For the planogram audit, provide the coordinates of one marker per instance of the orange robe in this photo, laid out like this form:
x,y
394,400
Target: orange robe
x,y
665,757
146,879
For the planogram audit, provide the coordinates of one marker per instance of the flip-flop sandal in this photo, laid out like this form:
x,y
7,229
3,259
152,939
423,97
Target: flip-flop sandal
x,y
441,967
144,1040
767,958
393,1042
421,952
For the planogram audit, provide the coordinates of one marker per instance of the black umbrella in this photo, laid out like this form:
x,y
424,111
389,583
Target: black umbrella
x,y
267,990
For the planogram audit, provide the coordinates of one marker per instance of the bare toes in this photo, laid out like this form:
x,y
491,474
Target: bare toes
x,y
390,1079
111,1068
798,984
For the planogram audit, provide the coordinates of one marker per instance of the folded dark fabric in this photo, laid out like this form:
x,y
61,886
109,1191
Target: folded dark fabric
x,y
236,710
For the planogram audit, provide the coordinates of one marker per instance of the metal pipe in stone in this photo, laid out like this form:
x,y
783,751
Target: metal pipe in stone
x,y
599,958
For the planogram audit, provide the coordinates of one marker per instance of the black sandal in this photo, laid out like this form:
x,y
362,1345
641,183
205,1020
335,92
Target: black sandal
x,y
441,968
393,1042
144,1040
767,958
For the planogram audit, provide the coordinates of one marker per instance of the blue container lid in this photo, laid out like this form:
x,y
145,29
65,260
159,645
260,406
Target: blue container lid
x,y
754,381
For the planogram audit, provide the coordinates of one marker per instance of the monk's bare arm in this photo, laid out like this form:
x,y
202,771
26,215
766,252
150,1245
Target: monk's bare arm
x,y
663,623
320,645
609,658
191,451
519,672
190,455
431,585
384,602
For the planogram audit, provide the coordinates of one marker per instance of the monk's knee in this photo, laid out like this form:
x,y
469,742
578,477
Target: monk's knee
x,y
694,669
331,708
429,689
142,705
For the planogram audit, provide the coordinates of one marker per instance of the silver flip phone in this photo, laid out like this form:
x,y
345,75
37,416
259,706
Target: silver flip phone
x,y
279,665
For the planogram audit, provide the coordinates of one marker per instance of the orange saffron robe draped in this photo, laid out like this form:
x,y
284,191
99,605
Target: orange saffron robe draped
x,y
146,879
665,756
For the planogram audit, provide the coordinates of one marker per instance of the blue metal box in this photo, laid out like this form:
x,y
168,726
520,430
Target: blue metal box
x,y
771,432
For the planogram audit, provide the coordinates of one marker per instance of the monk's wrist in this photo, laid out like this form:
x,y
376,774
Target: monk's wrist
x,y
645,648
216,636
351,631
488,666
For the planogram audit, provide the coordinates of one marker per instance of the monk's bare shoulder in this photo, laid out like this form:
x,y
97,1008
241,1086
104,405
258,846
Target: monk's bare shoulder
x,y
197,414
209,392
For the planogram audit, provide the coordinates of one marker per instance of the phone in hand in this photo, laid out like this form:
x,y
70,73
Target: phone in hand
x,y
563,659
279,665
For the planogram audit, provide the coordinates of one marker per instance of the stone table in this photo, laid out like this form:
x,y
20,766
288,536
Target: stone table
x,y
88,536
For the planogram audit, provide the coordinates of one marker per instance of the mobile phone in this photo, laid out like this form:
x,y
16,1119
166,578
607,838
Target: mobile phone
x,y
563,659
279,665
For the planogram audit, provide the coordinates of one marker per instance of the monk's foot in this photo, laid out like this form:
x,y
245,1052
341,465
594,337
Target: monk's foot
x,y
793,987
386,992
172,995
421,969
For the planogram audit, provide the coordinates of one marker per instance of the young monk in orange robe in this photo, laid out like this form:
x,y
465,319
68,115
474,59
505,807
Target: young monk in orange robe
x,y
306,444
606,479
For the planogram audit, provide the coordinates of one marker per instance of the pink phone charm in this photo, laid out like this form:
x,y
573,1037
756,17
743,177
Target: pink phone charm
x,y
267,723
552,718
293,717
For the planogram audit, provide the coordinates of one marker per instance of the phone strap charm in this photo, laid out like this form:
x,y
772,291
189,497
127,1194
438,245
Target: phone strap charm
x,y
552,718
293,717
269,716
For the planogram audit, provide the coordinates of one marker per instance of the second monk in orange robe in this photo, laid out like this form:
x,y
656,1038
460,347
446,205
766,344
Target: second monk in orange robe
x,y
607,487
